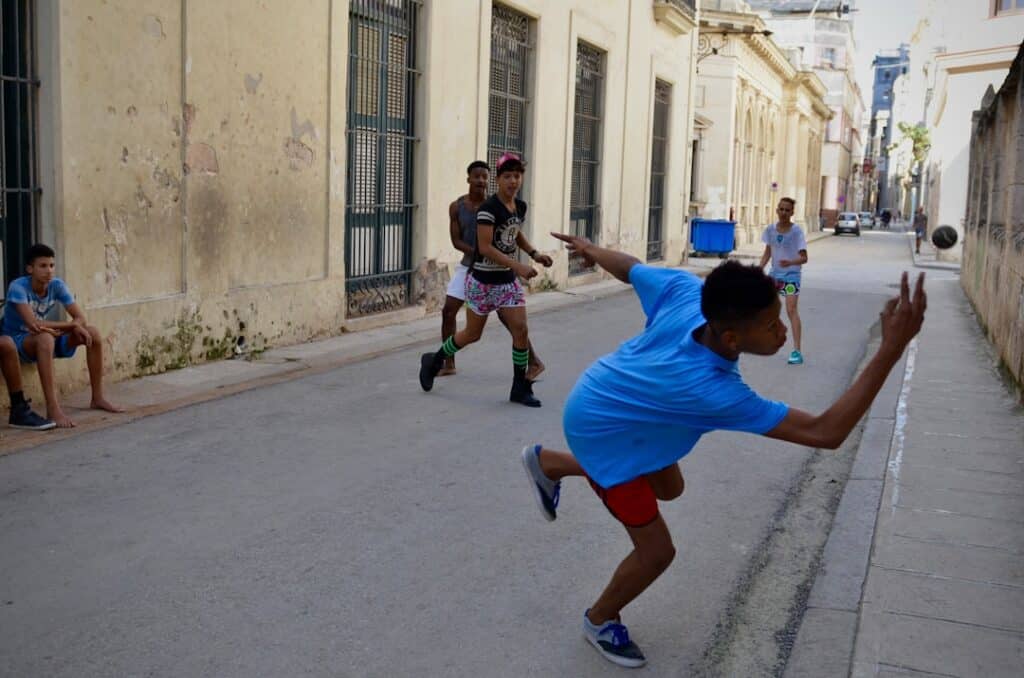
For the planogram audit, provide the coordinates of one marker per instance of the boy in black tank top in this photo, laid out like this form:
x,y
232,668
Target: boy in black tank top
x,y
493,282
462,231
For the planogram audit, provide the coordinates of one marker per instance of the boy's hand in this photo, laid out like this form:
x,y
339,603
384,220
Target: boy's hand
x,y
82,334
525,272
544,260
902,316
36,328
576,245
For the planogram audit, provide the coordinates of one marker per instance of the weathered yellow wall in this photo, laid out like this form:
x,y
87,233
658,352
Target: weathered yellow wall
x,y
199,161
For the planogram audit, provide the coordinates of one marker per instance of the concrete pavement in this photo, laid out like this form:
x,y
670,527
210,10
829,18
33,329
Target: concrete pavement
x,y
921,575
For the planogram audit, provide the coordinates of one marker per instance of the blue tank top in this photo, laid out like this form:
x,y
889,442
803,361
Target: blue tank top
x,y
467,220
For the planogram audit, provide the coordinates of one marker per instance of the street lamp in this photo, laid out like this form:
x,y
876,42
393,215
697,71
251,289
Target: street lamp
x,y
711,41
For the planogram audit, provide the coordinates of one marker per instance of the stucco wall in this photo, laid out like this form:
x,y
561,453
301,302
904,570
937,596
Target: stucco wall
x,y
993,252
199,161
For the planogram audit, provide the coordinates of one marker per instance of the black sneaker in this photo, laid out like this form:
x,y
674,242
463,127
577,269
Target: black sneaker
x,y
428,370
522,392
22,416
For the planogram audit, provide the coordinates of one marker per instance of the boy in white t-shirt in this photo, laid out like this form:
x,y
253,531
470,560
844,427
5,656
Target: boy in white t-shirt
x,y
786,247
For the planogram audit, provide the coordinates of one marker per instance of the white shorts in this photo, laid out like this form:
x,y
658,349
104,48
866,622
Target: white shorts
x,y
457,286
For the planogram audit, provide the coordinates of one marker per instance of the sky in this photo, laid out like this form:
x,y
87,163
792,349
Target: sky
x,y
877,25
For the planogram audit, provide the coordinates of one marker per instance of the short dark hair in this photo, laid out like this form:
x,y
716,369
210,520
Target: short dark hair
x,y
37,251
511,165
734,293
477,163
792,203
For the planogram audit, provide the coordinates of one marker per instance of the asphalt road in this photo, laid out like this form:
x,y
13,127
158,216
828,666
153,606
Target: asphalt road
x,y
347,524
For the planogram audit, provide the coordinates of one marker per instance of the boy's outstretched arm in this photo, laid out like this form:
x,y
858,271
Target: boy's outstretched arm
x,y
616,263
901,321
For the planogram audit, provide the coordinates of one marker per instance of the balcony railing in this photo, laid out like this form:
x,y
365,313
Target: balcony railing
x,y
678,15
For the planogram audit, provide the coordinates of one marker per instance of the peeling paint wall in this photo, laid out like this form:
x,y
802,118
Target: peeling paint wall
x,y
200,162
200,200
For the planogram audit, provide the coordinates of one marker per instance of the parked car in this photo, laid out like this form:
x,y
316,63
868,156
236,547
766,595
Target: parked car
x,y
848,222
867,220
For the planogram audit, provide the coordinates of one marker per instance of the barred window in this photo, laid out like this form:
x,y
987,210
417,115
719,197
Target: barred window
x,y
19,199
586,147
659,153
381,141
509,85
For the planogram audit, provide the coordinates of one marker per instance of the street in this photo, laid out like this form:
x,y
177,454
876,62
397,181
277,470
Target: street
x,y
347,524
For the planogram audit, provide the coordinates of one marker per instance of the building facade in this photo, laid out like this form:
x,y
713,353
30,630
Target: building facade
x,y
232,174
767,121
992,272
960,51
888,66
822,31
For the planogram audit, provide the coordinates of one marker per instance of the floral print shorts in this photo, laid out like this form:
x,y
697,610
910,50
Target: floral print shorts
x,y
483,298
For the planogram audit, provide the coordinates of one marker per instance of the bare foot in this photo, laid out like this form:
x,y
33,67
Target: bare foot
x,y
60,419
534,371
104,404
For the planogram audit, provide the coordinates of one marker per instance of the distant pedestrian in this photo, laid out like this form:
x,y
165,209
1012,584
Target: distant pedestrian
x,y
886,218
462,231
636,412
920,228
492,283
786,247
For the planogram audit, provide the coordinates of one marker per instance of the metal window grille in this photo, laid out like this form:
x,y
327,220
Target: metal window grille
x,y
19,87
586,148
379,198
659,144
509,85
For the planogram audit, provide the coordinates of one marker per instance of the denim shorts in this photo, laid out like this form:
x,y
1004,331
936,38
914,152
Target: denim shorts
x,y
62,347
787,284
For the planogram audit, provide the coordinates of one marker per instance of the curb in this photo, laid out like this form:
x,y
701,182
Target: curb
x,y
825,642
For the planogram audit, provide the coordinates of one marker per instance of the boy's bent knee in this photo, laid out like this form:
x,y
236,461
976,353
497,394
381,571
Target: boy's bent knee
x,y
659,557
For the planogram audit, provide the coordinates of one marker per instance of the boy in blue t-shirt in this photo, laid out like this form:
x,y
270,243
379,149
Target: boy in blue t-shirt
x,y
30,300
786,247
636,412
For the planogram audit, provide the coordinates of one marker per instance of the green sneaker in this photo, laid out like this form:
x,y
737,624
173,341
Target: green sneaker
x,y
796,358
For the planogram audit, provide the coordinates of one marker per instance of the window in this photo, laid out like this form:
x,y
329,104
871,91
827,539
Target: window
x,y
379,194
509,85
659,147
828,57
19,199
586,147
1008,7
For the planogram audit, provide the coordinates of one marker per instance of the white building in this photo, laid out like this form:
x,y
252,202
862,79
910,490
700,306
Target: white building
x,y
958,51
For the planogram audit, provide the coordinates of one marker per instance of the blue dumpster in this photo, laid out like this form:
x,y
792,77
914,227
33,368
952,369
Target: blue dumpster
x,y
712,236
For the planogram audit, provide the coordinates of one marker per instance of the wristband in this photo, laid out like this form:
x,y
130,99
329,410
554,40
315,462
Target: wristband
x,y
532,254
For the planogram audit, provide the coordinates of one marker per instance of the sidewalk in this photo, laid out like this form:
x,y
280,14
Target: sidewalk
x,y
921,575
159,393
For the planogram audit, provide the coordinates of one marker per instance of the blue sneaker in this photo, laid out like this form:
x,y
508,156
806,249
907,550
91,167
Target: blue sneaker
x,y
796,358
545,490
23,417
612,640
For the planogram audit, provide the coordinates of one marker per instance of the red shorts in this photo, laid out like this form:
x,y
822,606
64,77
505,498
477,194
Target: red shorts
x,y
632,503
